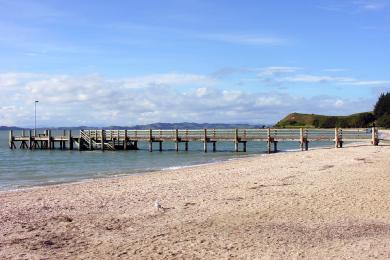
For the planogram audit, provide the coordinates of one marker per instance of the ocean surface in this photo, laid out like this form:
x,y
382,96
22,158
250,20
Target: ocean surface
x,y
24,168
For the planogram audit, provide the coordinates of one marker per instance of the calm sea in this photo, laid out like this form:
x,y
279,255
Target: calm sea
x,y
25,168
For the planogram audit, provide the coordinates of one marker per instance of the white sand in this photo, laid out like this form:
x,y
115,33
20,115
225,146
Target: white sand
x,y
320,204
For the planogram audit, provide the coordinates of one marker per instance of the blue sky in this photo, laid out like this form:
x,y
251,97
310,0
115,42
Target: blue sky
x,y
131,62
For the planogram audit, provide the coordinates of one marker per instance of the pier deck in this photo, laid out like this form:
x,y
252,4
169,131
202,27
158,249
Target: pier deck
x,y
128,139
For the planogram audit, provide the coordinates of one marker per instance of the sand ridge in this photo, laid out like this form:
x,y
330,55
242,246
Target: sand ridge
x,y
327,203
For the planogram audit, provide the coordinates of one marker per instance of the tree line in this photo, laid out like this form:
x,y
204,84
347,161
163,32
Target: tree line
x,y
382,110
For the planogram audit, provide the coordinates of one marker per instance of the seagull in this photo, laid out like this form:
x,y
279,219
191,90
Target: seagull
x,y
158,206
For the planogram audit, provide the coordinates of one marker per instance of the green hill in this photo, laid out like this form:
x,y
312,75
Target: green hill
x,y
365,119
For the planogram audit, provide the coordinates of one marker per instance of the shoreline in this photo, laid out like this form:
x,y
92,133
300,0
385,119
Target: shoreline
x,y
125,174
128,174
324,203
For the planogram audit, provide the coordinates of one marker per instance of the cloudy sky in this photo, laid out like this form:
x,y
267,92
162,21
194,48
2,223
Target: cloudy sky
x,y
134,62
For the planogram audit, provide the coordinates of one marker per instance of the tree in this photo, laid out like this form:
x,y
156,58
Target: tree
x,y
382,110
384,121
382,106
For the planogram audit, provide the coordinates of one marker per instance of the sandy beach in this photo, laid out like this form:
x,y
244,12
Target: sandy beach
x,y
323,204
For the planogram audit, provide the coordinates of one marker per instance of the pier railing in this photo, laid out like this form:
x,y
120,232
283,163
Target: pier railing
x,y
113,139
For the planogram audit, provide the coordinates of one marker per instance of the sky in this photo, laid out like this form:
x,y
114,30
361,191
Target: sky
x,y
101,63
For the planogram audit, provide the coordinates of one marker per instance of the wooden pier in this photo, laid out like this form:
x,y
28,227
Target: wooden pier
x,y
113,140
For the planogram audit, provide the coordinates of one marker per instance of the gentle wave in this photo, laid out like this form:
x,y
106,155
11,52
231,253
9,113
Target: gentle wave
x,y
20,169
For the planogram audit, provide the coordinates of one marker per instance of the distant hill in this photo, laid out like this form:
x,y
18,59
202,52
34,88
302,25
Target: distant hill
x,y
187,125
10,128
365,119
184,125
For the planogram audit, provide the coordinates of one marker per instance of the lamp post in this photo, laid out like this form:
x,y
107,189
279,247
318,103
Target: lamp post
x,y
35,117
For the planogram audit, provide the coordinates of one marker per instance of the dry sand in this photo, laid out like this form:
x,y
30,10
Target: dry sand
x,y
328,203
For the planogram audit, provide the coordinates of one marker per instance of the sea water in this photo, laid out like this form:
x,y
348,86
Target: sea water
x,y
21,168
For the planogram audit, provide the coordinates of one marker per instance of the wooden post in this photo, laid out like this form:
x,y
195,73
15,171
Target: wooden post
x,y
70,140
336,138
205,141
275,146
103,141
49,142
214,146
81,140
29,140
374,136
90,141
125,141
269,140
10,139
177,139
304,143
236,140
186,146
341,138
244,146
150,140
160,146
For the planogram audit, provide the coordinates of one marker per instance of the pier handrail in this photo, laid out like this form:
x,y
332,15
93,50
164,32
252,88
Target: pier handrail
x,y
113,138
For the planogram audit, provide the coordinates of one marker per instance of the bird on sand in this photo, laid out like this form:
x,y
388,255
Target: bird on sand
x,y
158,206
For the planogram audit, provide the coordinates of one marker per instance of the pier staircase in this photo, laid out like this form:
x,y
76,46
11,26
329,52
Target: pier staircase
x,y
87,142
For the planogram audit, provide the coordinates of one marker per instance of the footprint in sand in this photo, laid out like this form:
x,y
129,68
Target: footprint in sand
x,y
325,167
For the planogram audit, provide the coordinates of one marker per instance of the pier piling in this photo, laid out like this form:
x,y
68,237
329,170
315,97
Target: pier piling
x,y
128,139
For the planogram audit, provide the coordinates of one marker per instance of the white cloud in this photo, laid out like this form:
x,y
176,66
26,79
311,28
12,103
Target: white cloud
x,y
317,79
339,103
334,70
246,39
95,100
200,92
368,82
372,5
336,80
269,101
355,6
270,71
171,79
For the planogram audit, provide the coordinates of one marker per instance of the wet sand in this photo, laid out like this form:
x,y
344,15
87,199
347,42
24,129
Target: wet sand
x,y
327,203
